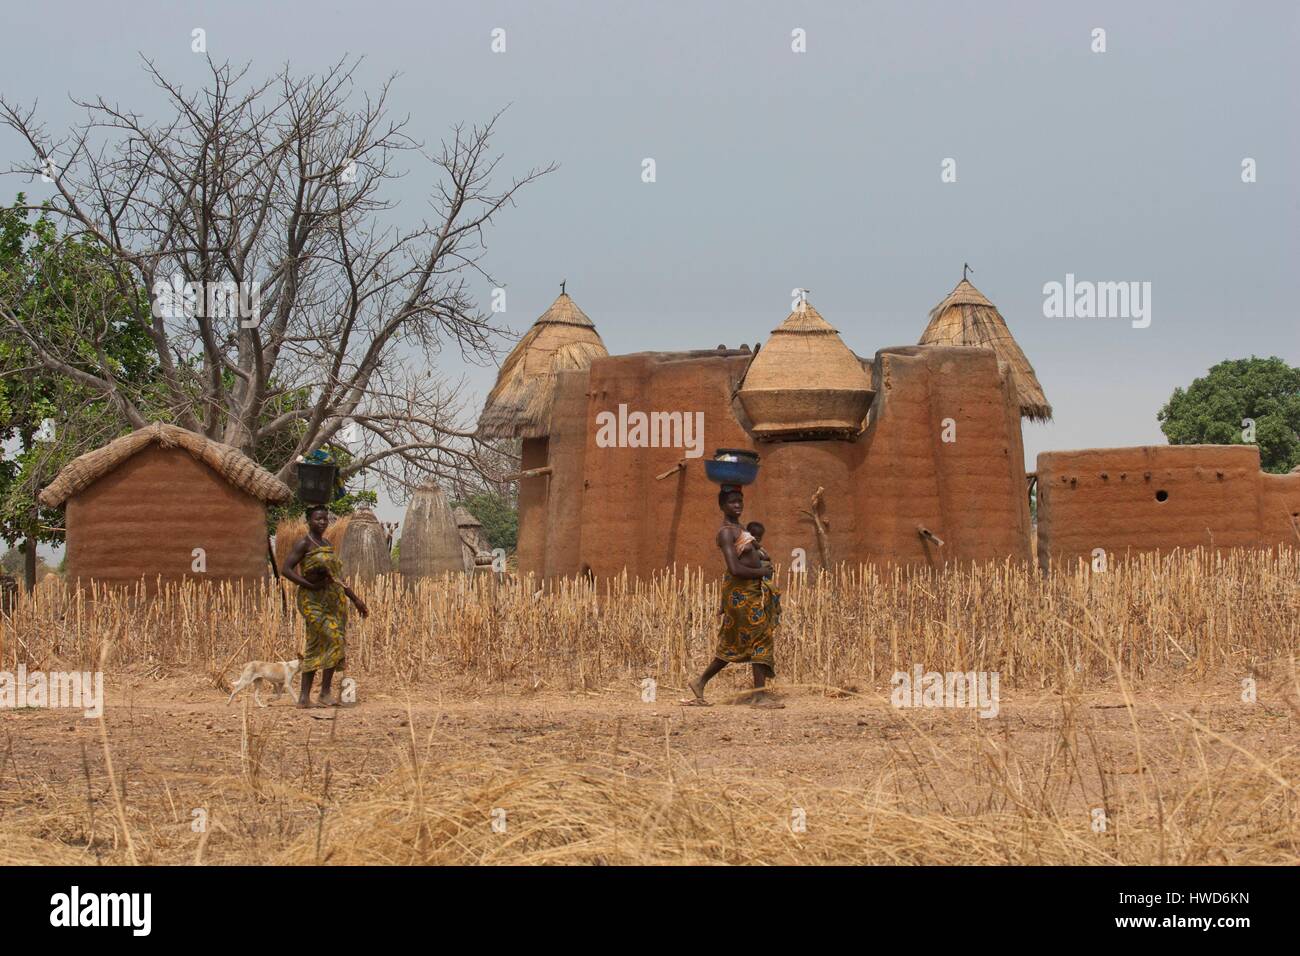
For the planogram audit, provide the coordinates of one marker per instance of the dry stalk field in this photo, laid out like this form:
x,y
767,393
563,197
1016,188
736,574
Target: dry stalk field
x,y
1147,715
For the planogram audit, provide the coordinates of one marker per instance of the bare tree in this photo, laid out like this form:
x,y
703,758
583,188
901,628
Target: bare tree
x,y
286,311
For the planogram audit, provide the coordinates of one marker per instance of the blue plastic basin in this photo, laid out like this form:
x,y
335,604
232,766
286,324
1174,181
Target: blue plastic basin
x,y
742,472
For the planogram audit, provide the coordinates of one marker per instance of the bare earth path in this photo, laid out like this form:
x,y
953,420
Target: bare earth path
x,y
171,738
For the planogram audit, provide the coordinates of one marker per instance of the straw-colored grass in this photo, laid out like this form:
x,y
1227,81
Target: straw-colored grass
x,y
631,807
1193,612
982,795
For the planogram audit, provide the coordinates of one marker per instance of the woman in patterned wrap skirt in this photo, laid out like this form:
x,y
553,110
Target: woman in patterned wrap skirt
x,y
749,612
323,599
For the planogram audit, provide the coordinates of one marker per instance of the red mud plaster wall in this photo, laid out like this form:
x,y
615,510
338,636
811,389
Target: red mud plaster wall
x,y
629,519
530,548
982,483
877,490
567,451
145,517
970,492
681,516
899,488
613,501
1108,498
788,474
1279,510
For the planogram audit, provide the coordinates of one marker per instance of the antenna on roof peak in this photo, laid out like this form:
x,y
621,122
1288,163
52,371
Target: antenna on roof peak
x,y
965,267
562,282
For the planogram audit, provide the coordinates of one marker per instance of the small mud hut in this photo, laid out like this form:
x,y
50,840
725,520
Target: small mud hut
x,y
805,382
364,547
966,317
519,405
165,503
431,544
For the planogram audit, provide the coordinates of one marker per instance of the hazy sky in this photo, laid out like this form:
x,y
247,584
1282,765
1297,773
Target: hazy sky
x,y
777,169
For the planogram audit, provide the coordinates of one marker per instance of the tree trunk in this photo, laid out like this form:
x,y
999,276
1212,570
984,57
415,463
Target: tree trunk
x,y
29,562
33,528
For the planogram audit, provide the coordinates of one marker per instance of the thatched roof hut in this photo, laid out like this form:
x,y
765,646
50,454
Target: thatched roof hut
x,y
966,317
364,547
519,405
805,382
164,502
231,464
430,544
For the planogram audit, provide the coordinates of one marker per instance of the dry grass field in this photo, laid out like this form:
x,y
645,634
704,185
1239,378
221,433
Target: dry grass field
x,y
495,723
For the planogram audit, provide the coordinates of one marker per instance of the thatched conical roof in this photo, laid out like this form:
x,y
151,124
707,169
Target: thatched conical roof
x,y
805,381
966,317
519,405
430,544
364,547
466,520
230,463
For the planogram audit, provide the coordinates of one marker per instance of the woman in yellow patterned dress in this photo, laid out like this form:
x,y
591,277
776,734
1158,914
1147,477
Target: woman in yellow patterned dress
x,y
323,599
749,612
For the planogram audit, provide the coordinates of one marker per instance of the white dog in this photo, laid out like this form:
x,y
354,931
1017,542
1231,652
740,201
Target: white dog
x,y
281,674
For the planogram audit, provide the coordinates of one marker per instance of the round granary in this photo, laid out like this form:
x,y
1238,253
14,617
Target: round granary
x,y
430,544
364,549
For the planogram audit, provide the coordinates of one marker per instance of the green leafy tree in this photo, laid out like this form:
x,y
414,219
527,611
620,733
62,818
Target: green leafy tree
x,y
12,561
1222,407
47,417
498,516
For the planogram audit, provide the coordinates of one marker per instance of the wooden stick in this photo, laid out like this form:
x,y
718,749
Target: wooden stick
x,y
270,553
672,471
530,473
819,525
929,535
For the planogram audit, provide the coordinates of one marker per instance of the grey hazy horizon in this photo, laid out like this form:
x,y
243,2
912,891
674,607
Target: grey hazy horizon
x,y
778,170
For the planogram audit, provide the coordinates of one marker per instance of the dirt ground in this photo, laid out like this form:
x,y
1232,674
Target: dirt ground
x,y
181,726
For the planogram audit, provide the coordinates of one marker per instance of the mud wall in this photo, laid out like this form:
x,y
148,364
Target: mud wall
x,y
630,518
943,452
1279,510
1157,498
897,475
567,453
145,517
530,548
